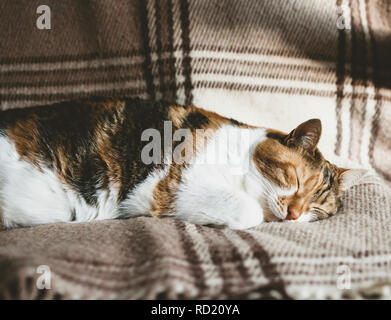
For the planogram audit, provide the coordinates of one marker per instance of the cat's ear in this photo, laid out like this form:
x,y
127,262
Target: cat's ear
x,y
306,135
349,177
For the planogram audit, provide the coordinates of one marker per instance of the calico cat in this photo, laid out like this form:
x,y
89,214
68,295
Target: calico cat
x,y
104,159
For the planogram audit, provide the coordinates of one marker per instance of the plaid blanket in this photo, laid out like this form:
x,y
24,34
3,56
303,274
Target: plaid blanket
x,y
272,63
346,256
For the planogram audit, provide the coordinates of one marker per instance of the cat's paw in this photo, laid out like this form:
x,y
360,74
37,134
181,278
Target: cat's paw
x,y
240,220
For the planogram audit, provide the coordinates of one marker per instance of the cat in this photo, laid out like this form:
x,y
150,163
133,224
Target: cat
x,y
96,159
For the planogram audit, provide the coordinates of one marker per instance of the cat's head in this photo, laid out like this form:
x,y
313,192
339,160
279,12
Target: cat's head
x,y
299,183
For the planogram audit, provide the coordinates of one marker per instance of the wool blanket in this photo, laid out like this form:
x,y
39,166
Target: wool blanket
x,y
272,63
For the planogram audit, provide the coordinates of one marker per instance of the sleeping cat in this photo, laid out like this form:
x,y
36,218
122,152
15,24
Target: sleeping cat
x,y
105,159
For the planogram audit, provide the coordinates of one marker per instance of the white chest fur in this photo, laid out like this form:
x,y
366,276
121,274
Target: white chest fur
x,y
214,187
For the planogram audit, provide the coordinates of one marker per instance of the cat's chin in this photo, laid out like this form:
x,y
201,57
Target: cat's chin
x,y
309,217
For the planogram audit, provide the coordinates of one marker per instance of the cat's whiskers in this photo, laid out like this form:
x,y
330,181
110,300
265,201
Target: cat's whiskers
x,y
272,199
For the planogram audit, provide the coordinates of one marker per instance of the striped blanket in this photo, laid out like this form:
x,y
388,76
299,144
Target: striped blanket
x,y
272,63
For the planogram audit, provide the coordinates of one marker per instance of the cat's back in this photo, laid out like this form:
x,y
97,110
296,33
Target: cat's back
x,y
74,157
87,133
80,117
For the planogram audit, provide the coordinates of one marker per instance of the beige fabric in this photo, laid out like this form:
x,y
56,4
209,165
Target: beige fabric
x,y
150,258
273,63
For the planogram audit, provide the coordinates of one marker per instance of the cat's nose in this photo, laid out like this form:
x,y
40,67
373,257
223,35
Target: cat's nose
x,y
293,214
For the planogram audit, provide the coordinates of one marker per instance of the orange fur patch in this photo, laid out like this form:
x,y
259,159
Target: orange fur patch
x,y
25,136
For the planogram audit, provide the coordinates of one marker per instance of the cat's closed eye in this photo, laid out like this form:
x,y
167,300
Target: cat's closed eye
x,y
317,194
